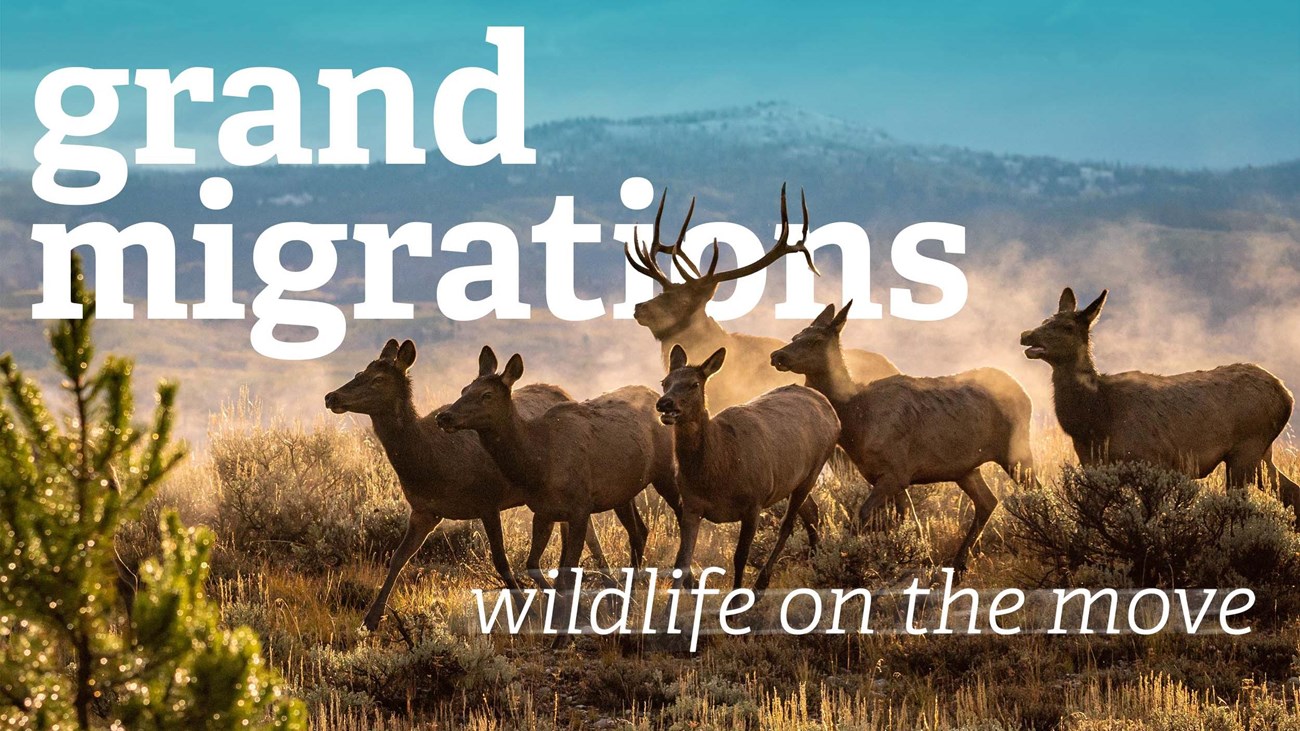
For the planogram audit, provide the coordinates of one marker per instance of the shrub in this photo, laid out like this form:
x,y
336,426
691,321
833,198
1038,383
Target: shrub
x,y
873,558
422,676
318,497
1156,528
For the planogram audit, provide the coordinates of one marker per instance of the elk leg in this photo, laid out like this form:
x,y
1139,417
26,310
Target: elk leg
x,y
810,515
571,556
1019,464
572,540
1287,489
787,525
900,506
748,526
973,484
497,548
593,545
418,528
666,486
1243,465
541,536
630,517
642,527
886,489
686,550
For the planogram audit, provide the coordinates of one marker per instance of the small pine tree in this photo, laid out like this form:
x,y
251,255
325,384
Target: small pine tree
x,y
69,652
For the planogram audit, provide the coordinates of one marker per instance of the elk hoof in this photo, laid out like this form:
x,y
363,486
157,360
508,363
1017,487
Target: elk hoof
x,y
539,579
371,622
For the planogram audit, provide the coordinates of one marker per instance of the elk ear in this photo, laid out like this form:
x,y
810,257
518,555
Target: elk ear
x,y
390,350
676,358
1067,303
826,317
406,355
714,362
838,323
487,361
514,369
1093,311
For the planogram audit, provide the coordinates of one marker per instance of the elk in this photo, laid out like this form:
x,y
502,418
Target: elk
x,y
575,459
677,315
442,475
749,457
1188,422
901,431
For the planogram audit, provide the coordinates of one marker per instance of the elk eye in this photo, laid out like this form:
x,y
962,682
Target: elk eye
x,y
486,396
695,385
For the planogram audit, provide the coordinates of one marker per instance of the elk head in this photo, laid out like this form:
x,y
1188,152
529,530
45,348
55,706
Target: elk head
x,y
378,388
485,402
683,397
672,310
810,350
1063,337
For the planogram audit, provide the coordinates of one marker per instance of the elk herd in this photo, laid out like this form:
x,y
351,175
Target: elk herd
x,y
731,434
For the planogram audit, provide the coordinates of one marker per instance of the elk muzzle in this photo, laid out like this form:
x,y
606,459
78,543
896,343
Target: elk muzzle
x,y
668,411
780,361
334,402
447,422
1033,349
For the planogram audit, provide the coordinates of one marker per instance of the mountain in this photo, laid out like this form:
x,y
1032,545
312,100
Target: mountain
x,y
1203,266
734,160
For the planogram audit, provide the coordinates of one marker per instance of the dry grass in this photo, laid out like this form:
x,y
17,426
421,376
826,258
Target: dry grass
x,y
421,671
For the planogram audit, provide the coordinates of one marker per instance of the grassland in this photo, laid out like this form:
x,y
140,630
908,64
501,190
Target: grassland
x,y
308,514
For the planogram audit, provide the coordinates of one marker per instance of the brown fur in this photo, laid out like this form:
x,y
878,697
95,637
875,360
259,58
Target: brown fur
x,y
745,459
442,475
673,318
574,460
676,316
902,431
1189,422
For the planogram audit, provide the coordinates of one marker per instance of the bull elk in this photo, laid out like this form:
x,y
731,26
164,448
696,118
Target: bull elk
x,y
677,314
442,475
902,431
747,458
575,459
1188,422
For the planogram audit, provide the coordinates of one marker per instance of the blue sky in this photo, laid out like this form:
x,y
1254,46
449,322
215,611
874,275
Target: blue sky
x,y
1188,84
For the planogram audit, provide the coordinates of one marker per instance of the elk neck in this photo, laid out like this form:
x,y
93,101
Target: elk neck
x,y
1076,394
514,447
695,333
833,379
691,443
403,441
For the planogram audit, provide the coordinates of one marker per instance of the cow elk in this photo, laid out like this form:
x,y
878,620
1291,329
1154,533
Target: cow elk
x,y
677,314
442,475
746,458
1189,422
902,431
574,460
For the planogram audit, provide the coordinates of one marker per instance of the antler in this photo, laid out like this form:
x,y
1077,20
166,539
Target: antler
x,y
645,260
647,254
782,247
